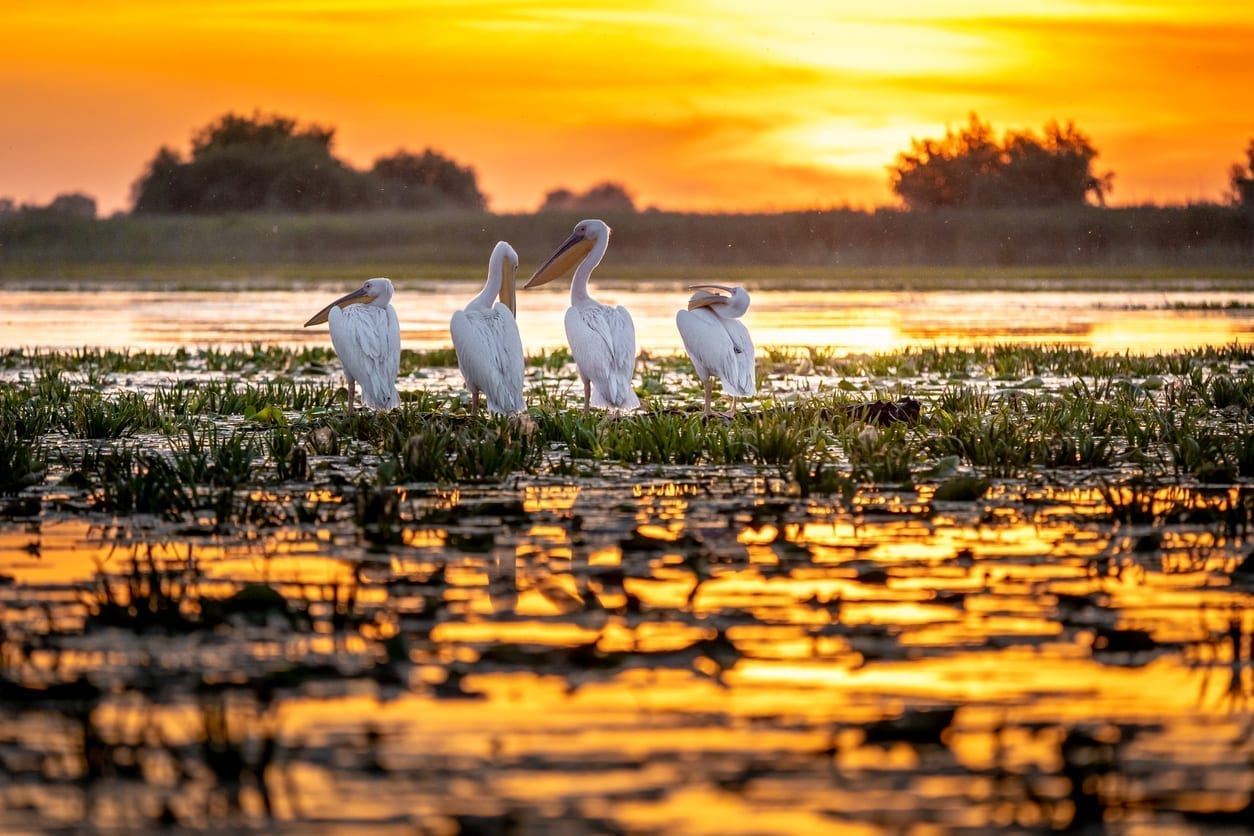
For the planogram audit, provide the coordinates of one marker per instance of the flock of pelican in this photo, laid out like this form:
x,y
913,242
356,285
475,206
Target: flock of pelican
x,y
365,333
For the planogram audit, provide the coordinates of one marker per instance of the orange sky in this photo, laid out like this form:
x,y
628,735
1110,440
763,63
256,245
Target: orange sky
x,y
742,105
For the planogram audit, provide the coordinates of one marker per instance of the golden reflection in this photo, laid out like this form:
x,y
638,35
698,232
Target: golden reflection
x,y
1161,332
526,632
54,551
744,674
557,596
668,533
549,498
610,556
424,538
668,490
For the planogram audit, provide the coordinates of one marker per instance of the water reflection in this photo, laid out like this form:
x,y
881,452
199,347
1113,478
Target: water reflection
x,y
674,655
844,321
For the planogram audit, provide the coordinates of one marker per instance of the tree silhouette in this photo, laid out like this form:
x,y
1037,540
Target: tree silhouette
x,y
971,168
1242,178
77,204
603,197
241,163
419,181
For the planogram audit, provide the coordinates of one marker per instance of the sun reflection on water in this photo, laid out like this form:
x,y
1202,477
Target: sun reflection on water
x,y
681,654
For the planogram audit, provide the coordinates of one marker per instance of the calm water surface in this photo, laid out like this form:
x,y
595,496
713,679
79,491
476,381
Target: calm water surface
x,y
846,322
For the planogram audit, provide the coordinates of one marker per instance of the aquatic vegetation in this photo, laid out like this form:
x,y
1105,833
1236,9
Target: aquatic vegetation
x,y
289,457
94,416
442,449
22,462
128,481
881,454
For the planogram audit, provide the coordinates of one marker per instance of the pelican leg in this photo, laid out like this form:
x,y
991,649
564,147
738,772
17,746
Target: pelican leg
x,y
352,395
587,395
474,403
731,413
709,394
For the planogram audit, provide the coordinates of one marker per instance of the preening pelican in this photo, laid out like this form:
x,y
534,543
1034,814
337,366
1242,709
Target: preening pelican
x,y
718,343
485,337
367,338
602,338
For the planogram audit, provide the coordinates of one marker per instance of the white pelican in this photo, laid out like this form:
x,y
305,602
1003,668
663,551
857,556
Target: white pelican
x,y
367,338
602,338
485,337
718,342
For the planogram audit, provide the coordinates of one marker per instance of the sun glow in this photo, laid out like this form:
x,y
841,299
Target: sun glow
x,y
709,106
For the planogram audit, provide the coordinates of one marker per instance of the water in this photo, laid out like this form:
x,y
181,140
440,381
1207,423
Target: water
x,y
690,650
846,322
691,656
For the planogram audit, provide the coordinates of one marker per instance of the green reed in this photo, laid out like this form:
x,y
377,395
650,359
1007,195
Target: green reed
x,y
22,461
129,481
440,448
94,416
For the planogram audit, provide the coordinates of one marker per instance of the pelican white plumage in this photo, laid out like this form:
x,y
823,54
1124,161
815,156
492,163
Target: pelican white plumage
x,y
602,338
366,336
485,337
718,343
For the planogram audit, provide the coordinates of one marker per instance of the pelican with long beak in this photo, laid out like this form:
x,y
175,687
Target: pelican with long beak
x,y
718,343
485,337
602,338
366,336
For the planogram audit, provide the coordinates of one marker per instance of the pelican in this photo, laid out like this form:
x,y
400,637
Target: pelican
x,y
485,337
602,338
718,343
367,338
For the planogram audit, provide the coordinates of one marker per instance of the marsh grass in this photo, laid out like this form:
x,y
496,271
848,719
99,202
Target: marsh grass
x,y
988,409
211,467
881,454
95,416
441,448
22,462
128,481
963,248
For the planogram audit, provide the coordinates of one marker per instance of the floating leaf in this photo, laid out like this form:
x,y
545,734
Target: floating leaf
x,y
961,489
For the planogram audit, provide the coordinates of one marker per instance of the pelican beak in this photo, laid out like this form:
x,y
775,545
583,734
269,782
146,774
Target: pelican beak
x,y
356,297
509,288
702,299
571,252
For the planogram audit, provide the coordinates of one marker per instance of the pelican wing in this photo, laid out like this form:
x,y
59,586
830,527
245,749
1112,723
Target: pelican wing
x,y
367,339
742,381
720,347
602,340
490,356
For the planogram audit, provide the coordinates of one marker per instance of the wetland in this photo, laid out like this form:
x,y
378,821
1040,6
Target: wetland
x,y
968,562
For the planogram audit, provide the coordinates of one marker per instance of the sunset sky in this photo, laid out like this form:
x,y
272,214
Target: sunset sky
x,y
706,106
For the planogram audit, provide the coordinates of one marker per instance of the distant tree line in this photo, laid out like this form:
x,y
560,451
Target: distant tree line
x,y
245,163
69,204
604,197
242,163
273,163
